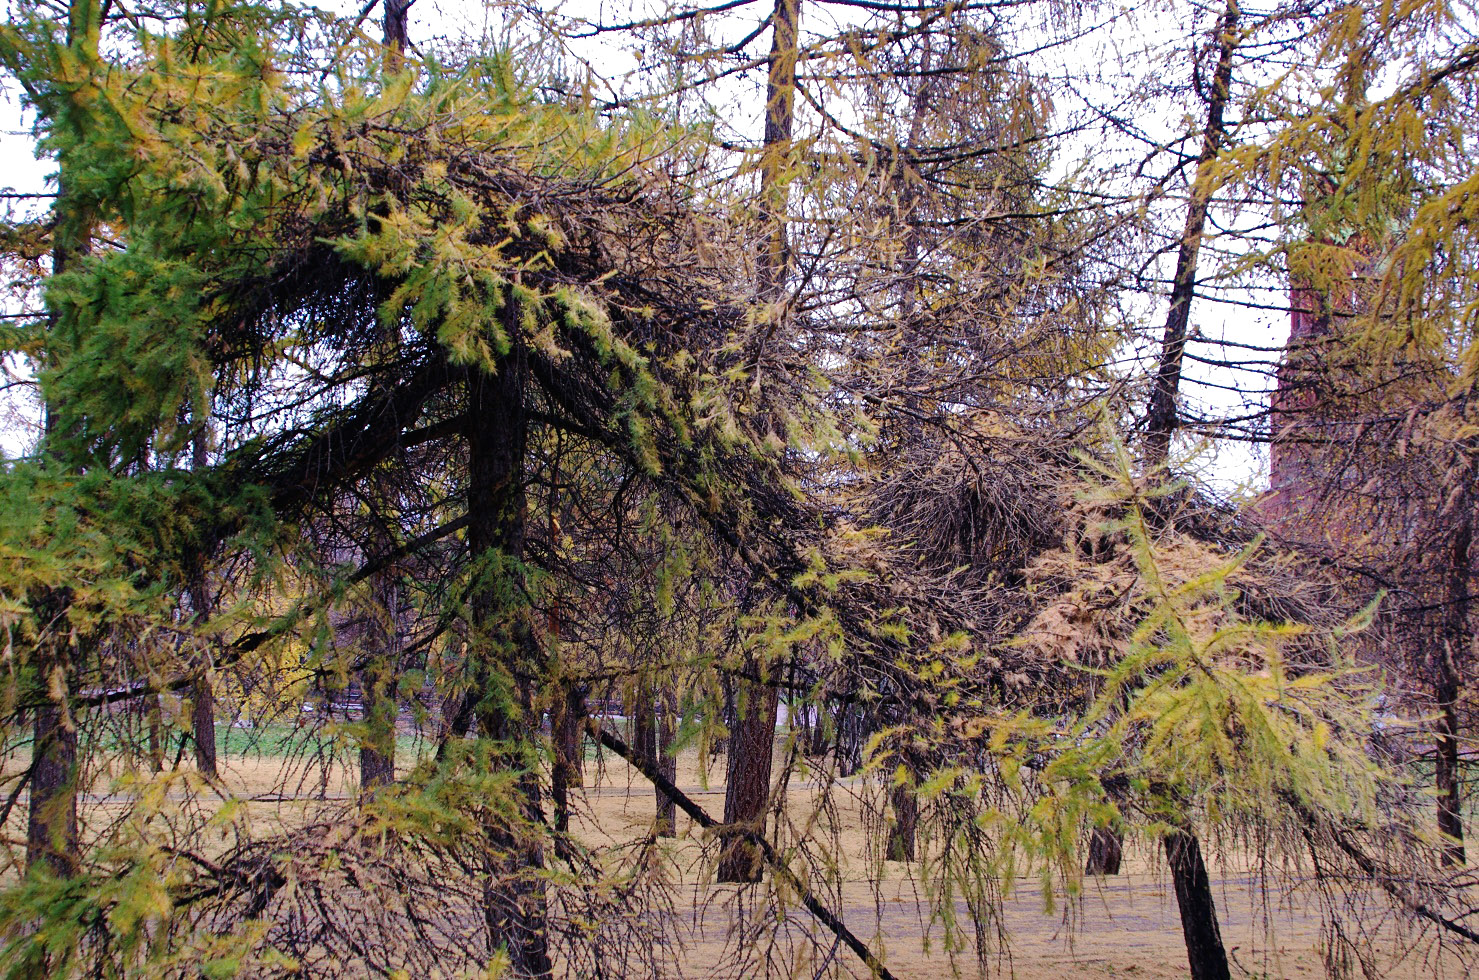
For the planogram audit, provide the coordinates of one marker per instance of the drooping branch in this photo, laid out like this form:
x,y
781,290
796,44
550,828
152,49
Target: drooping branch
x,y
814,905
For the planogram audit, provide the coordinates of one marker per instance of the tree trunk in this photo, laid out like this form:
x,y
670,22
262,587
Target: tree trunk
x,y
505,657
1160,417
51,830
1204,951
378,681
203,724
1450,650
203,698
377,752
51,824
667,762
154,718
567,729
397,21
747,788
652,735
1106,847
780,113
904,829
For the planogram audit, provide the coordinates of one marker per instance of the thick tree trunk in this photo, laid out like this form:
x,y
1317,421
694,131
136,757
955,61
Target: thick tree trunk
x,y
505,657
567,729
905,827
1106,848
51,830
377,752
1450,650
1204,950
1161,419
378,684
51,825
203,725
644,723
397,21
747,788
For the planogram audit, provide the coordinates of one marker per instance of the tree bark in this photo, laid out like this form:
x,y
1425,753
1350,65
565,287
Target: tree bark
x,y
905,828
747,787
667,762
378,681
505,656
51,823
203,697
652,734
377,752
154,719
1455,640
51,828
397,23
1161,418
1204,950
1106,848
567,729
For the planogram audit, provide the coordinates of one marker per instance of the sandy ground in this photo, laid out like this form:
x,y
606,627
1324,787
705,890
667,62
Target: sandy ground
x,y
1124,926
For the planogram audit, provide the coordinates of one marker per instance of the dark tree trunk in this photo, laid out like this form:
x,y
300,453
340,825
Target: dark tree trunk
x,y
203,724
1455,641
643,713
1204,951
505,657
667,763
905,827
567,729
1106,848
1161,419
747,789
51,824
154,718
849,734
378,683
397,22
51,830
652,734
377,752
202,697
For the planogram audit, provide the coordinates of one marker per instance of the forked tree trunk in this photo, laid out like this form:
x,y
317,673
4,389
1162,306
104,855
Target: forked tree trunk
x,y
1106,848
1204,950
504,653
747,787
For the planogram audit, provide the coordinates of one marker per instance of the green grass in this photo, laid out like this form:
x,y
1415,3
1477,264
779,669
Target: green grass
x,y
274,740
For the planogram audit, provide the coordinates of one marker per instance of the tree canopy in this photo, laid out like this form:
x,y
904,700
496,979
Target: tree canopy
x,y
449,378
